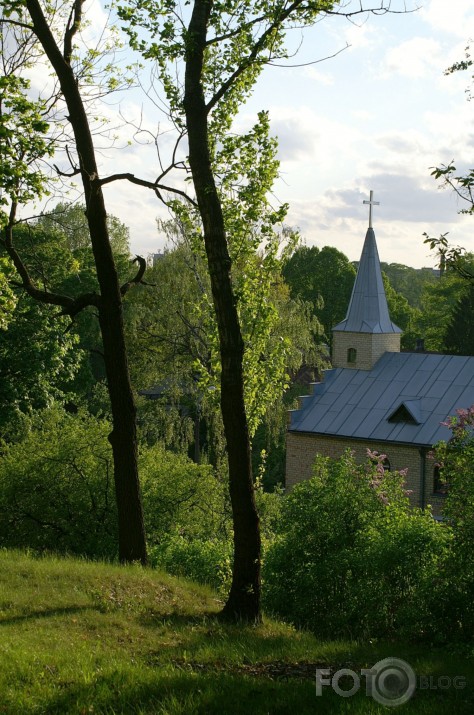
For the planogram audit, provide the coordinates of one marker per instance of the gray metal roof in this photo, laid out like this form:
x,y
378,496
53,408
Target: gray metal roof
x,y
368,310
359,403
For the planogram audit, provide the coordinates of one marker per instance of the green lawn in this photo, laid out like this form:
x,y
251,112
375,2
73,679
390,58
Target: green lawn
x,y
81,637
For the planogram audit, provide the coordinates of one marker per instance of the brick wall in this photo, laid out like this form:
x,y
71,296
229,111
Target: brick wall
x,y
369,346
301,451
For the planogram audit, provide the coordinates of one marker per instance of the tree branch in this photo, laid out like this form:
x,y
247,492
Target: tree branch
x,y
252,57
156,187
138,278
277,23
70,306
73,25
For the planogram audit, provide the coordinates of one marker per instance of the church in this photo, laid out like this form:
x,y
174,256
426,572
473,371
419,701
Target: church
x,y
376,397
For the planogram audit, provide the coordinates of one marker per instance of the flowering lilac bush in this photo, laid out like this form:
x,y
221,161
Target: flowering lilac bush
x,y
454,595
351,557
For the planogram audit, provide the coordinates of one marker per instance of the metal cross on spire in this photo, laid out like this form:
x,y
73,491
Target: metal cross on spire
x,y
371,203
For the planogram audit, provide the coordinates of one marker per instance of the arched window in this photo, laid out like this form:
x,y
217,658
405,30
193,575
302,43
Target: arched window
x,y
387,467
351,355
440,486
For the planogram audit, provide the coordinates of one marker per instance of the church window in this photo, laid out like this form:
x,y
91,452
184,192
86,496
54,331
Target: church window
x,y
440,486
351,355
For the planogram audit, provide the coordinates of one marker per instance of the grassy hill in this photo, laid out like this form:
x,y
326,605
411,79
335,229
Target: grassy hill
x,y
81,637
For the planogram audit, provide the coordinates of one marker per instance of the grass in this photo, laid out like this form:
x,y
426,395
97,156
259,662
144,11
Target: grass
x,y
82,637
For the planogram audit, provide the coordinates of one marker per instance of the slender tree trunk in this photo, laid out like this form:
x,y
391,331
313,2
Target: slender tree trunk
x,y
132,544
243,602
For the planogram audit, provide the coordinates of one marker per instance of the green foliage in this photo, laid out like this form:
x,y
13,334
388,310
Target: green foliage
x,y
39,362
409,282
57,494
459,336
463,187
351,557
242,38
206,561
324,278
456,583
438,302
187,519
402,314
56,487
180,497
57,491
7,297
23,141
173,344
70,221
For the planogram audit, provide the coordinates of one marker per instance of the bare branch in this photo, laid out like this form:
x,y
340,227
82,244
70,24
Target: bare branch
x,y
67,174
70,306
16,23
156,187
138,278
313,62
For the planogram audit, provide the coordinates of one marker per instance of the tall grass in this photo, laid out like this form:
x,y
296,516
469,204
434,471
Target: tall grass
x,y
88,637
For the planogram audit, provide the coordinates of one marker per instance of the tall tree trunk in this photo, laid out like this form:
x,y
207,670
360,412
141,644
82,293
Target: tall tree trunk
x,y
243,602
132,544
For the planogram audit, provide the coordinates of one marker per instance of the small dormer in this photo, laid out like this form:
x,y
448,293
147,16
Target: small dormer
x,y
408,412
367,332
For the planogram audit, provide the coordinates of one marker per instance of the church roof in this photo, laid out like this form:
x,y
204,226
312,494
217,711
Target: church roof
x,y
403,399
368,310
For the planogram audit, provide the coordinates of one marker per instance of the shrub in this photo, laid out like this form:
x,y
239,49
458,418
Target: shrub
x,y
452,601
180,496
351,558
206,561
56,487
57,491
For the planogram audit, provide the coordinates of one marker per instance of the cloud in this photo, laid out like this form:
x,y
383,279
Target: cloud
x,y
296,138
408,208
417,57
318,76
455,17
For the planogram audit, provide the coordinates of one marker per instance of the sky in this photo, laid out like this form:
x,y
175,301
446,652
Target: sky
x,y
376,116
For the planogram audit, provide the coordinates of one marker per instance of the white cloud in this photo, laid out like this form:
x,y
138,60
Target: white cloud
x,y
417,57
316,75
455,17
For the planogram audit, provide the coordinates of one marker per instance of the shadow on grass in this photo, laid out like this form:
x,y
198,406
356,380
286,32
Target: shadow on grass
x,y
223,694
46,613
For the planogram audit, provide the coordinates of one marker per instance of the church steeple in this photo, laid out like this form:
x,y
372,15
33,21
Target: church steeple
x,y
367,331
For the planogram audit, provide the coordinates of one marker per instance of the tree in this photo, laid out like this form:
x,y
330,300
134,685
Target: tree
x,y
402,314
25,143
70,219
459,336
173,345
463,187
323,277
456,583
438,303
7,296
408,281
222,48
38,364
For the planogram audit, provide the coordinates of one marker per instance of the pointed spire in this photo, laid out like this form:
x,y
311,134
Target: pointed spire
x,y
368,310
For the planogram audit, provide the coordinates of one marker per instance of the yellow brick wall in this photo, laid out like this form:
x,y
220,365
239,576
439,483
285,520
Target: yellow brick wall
x,y
301,451
370,347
